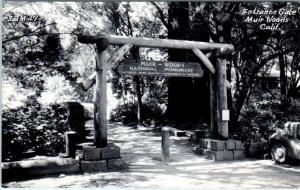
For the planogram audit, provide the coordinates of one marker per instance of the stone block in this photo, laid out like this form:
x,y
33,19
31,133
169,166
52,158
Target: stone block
x,y
116,164
205,143
219,155
239,154
94,166
230,144
217,145
110,152
91,153
239,145
200,151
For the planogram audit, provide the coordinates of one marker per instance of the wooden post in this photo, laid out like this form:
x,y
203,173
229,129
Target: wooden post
x,y
70,143
212,99
165,144
221,97
100,99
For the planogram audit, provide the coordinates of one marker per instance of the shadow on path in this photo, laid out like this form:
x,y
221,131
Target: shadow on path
x,y
141,150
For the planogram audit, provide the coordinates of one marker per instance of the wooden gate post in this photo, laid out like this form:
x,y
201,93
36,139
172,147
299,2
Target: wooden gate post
x,y
165,144
221,97
100,98
213,106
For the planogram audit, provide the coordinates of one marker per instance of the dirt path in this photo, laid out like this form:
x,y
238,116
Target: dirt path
x,y
141,150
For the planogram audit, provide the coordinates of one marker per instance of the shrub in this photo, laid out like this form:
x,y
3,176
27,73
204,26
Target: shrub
x,y
263,114
127,110
256,125
127,113
33,128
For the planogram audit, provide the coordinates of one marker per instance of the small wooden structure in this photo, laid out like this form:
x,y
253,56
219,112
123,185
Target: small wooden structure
x,y
165,144
218,75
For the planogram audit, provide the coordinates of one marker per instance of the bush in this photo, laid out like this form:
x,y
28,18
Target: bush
x,y
127,113
256,125
263,114
33,128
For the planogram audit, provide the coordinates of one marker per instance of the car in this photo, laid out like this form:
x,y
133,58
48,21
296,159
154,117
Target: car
x,y
284,144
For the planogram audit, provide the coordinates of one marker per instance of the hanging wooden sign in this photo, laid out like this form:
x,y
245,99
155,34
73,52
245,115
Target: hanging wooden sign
x,y
160,68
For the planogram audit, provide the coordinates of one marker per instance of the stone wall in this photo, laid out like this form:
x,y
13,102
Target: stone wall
x,y
220,150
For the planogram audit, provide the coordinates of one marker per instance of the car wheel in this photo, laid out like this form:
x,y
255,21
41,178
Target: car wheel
x,y
279,153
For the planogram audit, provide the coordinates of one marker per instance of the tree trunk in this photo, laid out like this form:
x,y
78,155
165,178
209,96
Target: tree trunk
x,y
139,98
241,95
136,55
231,125
283,80
100,102
188,98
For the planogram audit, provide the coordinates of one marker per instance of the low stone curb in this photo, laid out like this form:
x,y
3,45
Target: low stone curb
x,y
27,169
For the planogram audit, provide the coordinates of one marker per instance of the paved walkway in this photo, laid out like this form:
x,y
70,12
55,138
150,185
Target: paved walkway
x,y
141,150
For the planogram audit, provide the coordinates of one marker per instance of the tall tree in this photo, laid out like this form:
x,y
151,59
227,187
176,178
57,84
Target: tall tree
x,y
127,22
188,98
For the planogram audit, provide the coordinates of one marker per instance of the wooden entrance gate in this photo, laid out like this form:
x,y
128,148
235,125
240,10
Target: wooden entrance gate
x,y
218,87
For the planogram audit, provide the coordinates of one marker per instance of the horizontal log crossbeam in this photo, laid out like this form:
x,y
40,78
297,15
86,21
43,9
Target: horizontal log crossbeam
x,y
118,56
156,43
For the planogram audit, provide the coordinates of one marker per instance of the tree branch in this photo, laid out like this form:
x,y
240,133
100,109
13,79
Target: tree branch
x,y
27,34
14,8
272,56
161,14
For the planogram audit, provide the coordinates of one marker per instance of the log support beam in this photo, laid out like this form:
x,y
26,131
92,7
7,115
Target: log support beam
x,y
112,62
100,97
221,98
204,60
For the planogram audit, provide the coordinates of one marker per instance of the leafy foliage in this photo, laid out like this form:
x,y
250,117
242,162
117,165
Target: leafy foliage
x,y
31,50
263,114
33,128
126,113
57,90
